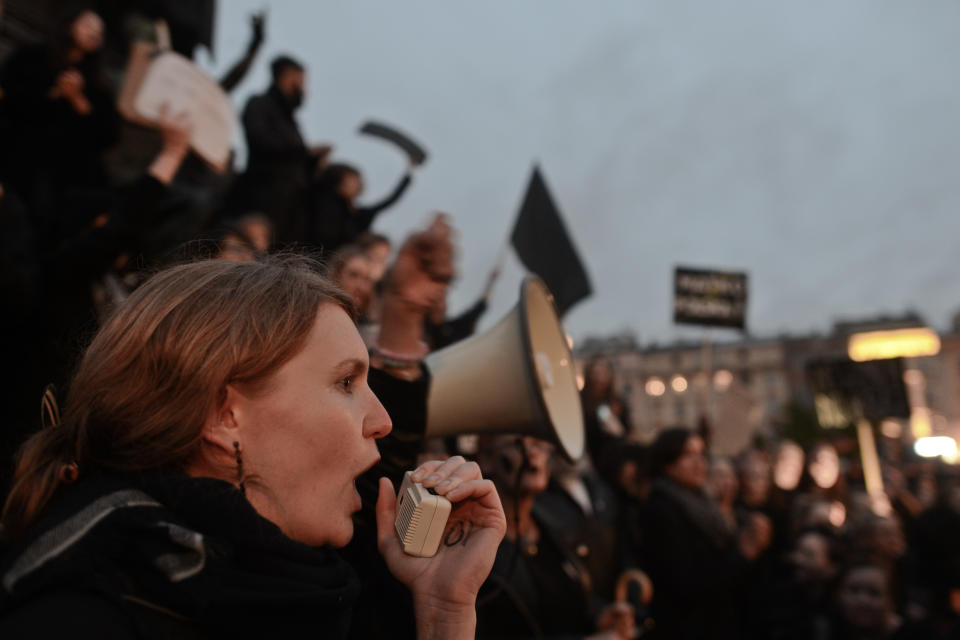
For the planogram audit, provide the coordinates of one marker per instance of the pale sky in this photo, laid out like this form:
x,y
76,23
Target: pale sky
x,y
815,145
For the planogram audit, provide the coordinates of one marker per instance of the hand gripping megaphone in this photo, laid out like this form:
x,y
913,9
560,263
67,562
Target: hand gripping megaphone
x,y
517,377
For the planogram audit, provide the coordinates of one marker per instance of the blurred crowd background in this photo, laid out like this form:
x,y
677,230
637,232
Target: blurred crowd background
x,y
726,490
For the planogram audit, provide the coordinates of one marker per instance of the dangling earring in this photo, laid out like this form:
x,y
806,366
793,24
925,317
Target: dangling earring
x,y
240,480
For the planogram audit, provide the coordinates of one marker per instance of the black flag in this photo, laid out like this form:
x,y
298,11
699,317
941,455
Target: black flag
x,y
544,246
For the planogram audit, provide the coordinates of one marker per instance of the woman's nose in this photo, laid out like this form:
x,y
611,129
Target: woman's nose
x,y
377,423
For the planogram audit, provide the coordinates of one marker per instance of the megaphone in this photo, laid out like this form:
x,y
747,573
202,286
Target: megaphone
x,y
517,377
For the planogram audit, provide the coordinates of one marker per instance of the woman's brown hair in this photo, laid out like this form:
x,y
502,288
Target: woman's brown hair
x,y
160,365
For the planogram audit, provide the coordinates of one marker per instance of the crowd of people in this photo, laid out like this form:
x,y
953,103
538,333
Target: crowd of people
x,y
174,359
780,541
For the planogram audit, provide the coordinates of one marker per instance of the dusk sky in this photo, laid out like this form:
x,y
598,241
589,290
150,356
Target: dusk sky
x,y
815,145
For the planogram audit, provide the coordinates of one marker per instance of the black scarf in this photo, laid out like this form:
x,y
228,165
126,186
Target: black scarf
x,y
190,547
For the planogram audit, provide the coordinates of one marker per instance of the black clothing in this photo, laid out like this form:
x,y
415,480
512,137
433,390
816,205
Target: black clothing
x,y
697,570
904,631
605,432
540,591
385,608
333,220
455,329
278,167
51,154
54,328
790,611
934,542
167,555
591,535
19,291
69,266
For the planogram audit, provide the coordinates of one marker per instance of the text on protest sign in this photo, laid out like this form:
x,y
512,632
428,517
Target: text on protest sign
x,y
711,298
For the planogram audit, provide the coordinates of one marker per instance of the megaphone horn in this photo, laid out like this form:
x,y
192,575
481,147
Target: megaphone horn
x,y
517,377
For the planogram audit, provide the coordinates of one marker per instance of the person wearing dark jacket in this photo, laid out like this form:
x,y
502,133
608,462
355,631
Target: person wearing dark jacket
x,y
442,331
538,587
696,561
334,217
59,116
588,513
606,418
205,470
280,163
58,313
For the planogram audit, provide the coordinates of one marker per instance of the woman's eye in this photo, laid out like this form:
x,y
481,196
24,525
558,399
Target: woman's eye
x,y
347,383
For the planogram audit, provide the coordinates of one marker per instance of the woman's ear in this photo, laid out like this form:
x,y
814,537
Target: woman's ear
x,y
222,430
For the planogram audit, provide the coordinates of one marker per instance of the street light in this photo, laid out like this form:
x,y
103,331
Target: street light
x,y
937,446
882,345
679,384
655,387
897,343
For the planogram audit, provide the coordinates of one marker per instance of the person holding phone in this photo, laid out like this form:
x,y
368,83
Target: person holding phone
x,y
205,468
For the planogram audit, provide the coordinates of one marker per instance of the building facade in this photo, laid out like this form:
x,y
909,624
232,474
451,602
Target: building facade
x,y
742,388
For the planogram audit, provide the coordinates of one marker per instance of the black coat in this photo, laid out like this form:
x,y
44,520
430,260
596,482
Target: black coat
x,y
453,330
593,536
278,167
57,314
49,151
385,607
696,578
168,556
333,220
538,592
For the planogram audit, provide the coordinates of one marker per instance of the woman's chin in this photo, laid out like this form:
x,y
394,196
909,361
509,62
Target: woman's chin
x,y
342,538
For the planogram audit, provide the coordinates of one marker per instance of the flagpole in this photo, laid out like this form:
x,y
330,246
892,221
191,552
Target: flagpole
x,y
497,268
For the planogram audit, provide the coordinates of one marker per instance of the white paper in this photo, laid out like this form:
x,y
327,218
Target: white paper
x,y
174,81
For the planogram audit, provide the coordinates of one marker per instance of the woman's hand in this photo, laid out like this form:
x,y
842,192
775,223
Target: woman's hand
x,y
416,283
424,266
445,586
69,85
176,143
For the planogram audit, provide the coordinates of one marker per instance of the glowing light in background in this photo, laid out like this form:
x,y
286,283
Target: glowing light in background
x,y
920,423
788,468
937,447
838,514
824,466
722,380
891,429
678,384
655,387
898,343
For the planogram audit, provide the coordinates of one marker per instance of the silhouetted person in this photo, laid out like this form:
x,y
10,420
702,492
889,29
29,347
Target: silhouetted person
x,y
537,588
335,218
279,162
241,67
865,605
697,561
59,118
